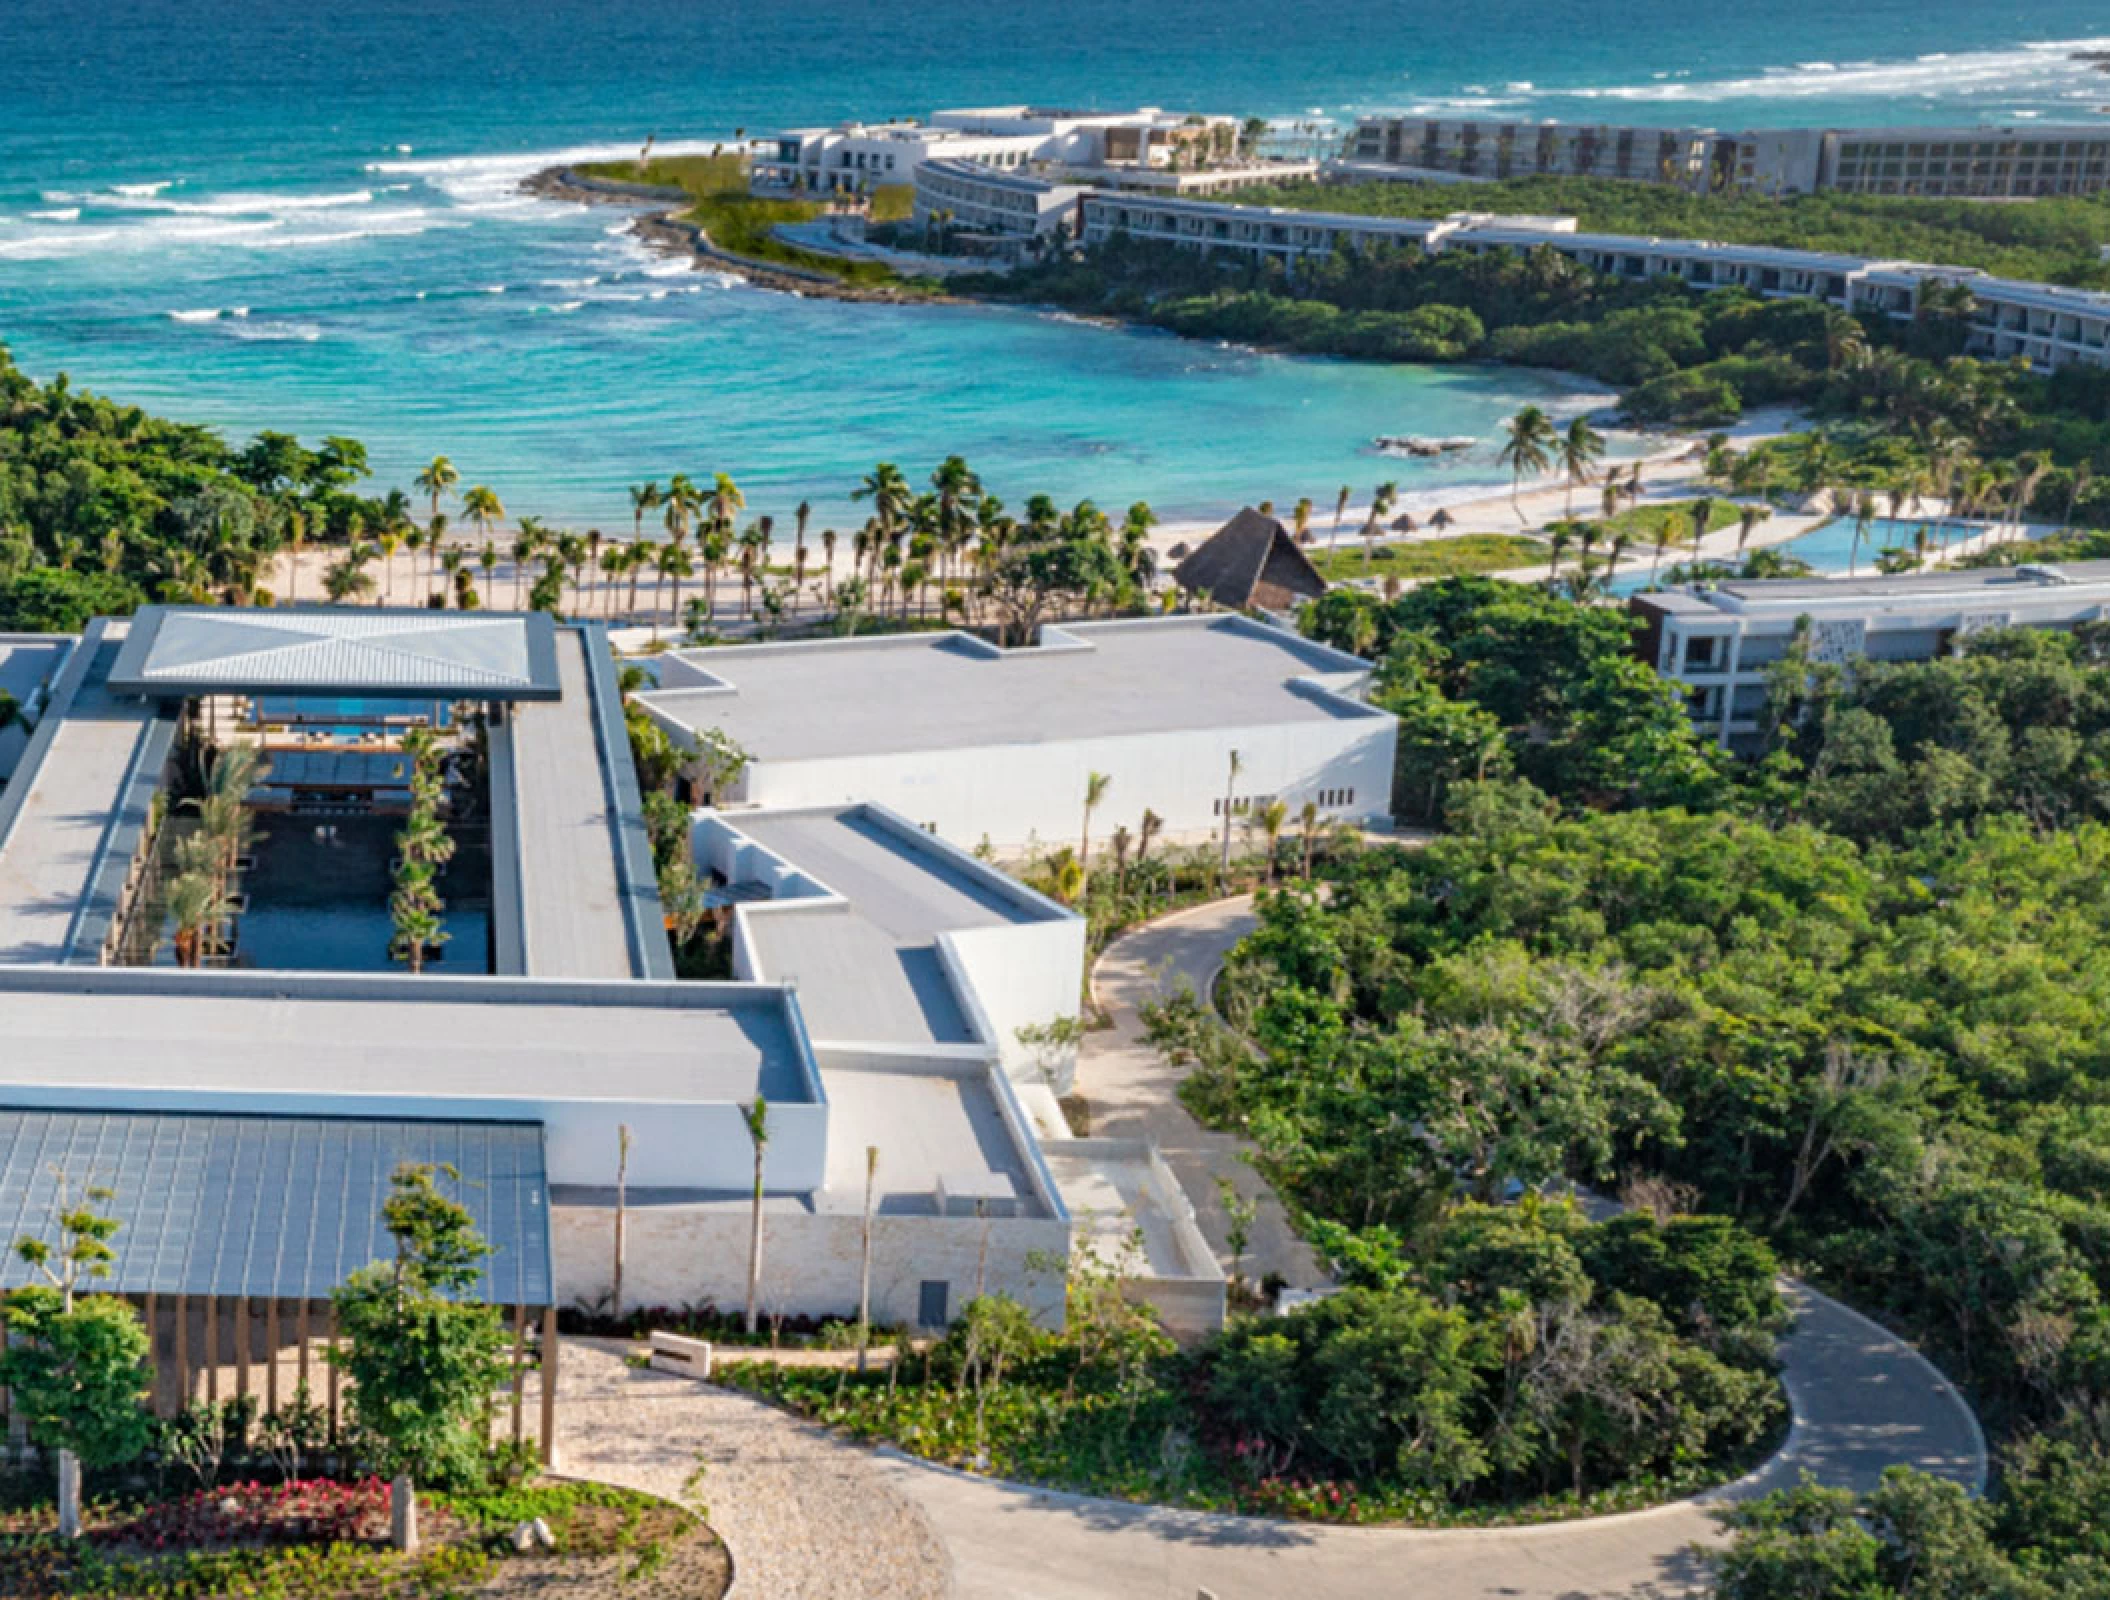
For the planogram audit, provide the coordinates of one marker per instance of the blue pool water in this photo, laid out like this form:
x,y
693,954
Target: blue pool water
x,y
267,213
1830,547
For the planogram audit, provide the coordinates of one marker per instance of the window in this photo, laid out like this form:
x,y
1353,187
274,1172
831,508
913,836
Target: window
x,y
932,1297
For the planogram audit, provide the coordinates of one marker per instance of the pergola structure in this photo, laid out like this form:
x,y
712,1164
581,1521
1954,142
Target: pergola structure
x,y
235,1229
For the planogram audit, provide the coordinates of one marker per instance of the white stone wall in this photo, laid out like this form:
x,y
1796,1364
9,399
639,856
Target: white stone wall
x,y
676,1254
1016,794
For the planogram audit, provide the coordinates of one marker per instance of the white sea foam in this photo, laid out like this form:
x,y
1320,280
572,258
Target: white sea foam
x,y
470,179
2043,68
665,267
139,191
230,205
61,214
571,283
275,332
494,288
562,307
206,314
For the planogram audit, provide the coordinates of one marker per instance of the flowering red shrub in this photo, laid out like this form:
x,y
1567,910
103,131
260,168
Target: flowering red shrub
x,y
306,1511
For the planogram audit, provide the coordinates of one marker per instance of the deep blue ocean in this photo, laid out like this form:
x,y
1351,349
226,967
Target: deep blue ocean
x,y
257,213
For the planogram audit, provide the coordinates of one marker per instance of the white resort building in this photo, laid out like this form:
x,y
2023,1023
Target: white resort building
x,y
2043,324
890,994
979,744
1718,639
1976,163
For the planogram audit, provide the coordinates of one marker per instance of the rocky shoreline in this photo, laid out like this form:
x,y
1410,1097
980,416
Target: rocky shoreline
x,y
661,226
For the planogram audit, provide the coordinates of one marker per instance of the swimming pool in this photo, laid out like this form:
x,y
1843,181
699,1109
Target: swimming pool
x,y
1829,548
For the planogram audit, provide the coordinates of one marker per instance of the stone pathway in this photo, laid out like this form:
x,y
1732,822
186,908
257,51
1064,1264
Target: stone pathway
x,y
1133,1092
806,1516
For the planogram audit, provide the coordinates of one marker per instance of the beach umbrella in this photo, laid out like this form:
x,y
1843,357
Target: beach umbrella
x,y
1442,518
1179,552
1404,523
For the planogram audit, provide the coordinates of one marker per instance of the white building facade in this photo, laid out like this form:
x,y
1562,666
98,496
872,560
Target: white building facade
x,y
2043,324
1719,640
986,745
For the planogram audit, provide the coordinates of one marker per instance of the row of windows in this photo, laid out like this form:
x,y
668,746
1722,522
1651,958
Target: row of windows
x,y
1248,805
1850,149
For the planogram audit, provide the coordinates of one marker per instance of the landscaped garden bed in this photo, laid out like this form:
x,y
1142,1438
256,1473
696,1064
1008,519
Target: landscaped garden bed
x,y
324,1537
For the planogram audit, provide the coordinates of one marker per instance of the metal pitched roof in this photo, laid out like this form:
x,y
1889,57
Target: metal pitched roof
x,y
265,1206
181,651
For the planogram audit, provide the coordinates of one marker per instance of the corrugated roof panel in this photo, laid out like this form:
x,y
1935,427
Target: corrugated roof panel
x,y
270,1207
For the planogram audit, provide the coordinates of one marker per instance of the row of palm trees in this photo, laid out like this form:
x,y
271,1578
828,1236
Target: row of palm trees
x,y
200,892
920,550
422,847
1532,445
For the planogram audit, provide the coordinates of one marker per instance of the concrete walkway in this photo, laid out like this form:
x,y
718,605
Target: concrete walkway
x,y
1861,1399
807,1516
1133,1093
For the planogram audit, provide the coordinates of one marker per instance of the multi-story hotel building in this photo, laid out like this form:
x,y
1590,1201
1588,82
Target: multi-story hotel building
x,y
1719,640
2043,324
1993,163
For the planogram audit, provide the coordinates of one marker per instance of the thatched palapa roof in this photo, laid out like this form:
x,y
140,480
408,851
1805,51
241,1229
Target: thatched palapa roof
x,y
1251,562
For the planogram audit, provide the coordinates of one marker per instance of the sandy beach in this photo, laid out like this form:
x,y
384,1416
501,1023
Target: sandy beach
x,y
1669,472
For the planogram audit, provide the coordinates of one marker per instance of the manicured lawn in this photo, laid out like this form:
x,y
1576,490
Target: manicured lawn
x,y
1641,524
1456,556
741,223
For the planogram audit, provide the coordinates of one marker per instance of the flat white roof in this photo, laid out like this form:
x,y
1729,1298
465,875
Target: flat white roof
x,y
154,1039
62,801
571,902
28,660
866,963
896,695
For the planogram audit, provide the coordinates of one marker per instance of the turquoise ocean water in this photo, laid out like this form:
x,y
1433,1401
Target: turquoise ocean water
x,y
261,213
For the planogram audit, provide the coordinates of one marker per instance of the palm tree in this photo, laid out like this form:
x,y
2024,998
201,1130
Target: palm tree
x,y
482,507
389,541
1382,500
1308,825
1223,871
1748,518
1340,510
1095,787
756,1117
487,561
889,493
195,908
1557,543
1147,830
296,536
437,479
1274,816
1527,446
643,497
1580,449
674,563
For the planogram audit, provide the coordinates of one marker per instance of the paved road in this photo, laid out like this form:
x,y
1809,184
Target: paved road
x,y
1862,1401
1132,1092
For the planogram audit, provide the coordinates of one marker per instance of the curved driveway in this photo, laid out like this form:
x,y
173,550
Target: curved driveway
x,y
1862,1400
